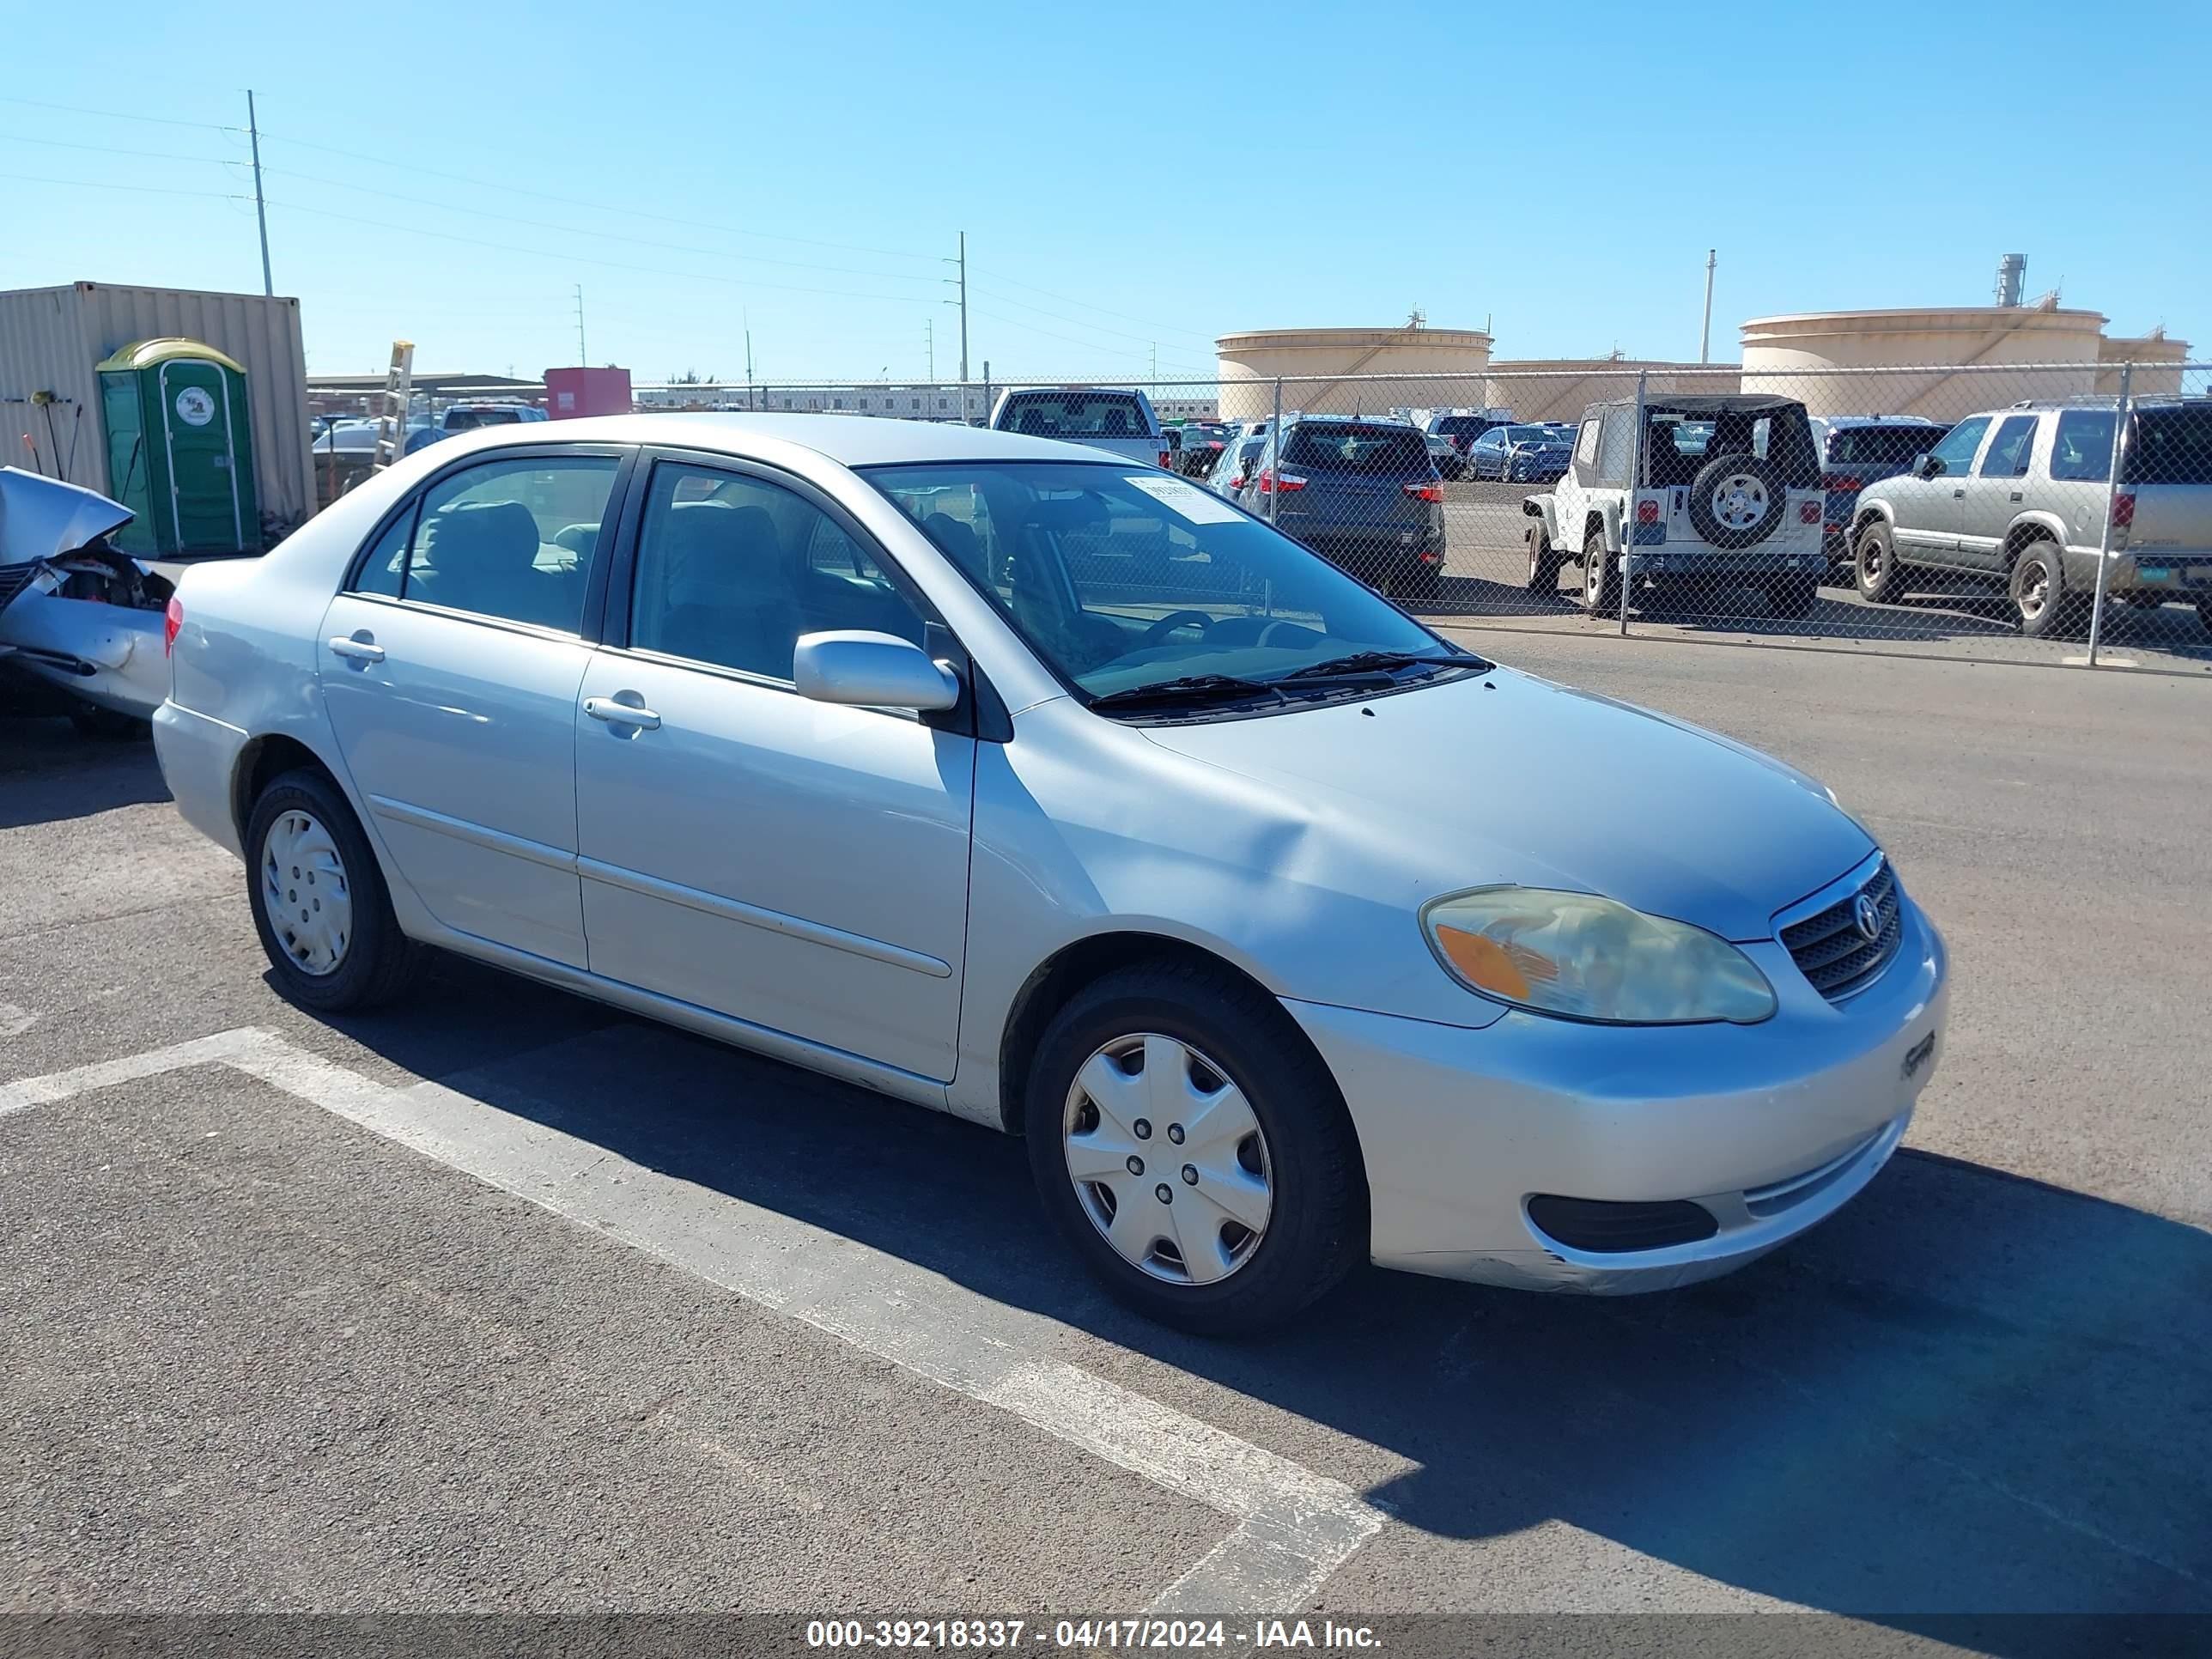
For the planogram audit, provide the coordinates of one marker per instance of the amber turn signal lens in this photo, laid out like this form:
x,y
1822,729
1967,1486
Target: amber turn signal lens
x,y
1484,962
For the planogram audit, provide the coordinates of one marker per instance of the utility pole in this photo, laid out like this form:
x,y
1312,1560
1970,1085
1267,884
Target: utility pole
x,y
1705,334
749,364
1156,362
583,357
962,280
260,207
929,345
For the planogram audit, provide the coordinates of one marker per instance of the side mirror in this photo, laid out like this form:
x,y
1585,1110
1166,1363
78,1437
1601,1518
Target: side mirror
x,y
1925,466
871,670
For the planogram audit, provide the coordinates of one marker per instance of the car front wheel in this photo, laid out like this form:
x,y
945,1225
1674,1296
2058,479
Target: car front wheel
x,y
1194,1151
1879,579
318,901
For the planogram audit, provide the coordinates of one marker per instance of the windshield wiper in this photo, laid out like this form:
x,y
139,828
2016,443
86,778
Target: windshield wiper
x,y
1377,663
1191,687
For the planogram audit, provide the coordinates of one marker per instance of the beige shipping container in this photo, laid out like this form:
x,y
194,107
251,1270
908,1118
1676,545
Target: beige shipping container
x,y
50,339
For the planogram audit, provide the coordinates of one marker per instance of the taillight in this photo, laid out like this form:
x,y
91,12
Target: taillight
x,y
1837,481
1425,492
2124,509
172,622
1808,512
1647,512
1270,481
1163,458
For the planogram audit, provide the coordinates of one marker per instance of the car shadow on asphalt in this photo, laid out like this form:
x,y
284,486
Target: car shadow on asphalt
x,y
1967,1393
50,772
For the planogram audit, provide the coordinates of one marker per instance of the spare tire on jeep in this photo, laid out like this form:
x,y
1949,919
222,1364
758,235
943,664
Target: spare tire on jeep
x,y
1737,500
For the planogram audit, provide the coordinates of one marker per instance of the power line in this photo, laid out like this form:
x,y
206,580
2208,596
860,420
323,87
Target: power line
x,y
112,149
1085,305
119,115
141,190
1076,322
573,258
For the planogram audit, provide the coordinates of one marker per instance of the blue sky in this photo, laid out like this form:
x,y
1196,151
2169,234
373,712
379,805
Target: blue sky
x,y
1131,180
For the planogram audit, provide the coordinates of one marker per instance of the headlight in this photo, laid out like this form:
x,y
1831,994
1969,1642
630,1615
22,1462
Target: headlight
x,y
1581,957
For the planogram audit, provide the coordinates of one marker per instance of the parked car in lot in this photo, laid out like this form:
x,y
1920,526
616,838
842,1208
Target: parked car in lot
x,y
1519,454
1074,801
468,417
1854,452
2021,496
1201,447
1462,428
1361,493
1118,420
77,617
1728,491
1449,464
1233,467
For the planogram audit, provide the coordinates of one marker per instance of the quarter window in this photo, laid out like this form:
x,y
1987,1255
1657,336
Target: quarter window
x,y
2011,449
732,569
510,539
1586,447
2081,448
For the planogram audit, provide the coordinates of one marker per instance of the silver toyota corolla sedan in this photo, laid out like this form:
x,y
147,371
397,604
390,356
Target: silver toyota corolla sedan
x,y
1008,778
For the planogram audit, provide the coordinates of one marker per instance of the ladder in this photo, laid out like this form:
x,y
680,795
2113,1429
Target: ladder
x,y
391,416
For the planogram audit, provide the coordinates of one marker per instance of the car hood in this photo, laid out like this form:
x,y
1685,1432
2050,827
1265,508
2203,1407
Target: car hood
x,y
41,518
1506,778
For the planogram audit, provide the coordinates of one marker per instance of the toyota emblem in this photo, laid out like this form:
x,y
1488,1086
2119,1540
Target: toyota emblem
x,y
1867,914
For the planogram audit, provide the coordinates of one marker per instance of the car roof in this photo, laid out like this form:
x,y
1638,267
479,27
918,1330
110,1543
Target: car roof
x,y
1301,418
1705,403
848,440
1844,421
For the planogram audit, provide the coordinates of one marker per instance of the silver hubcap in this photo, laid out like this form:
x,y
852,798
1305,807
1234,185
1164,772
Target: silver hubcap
x,y
304,890
2034,589
1739,501
1167,1159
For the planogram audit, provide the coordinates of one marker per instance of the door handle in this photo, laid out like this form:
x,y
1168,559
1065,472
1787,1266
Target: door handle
x,y
356,650
1957,494
617,713
2015,494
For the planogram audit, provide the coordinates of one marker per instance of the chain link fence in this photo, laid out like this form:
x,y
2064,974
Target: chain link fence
x,y
1959,509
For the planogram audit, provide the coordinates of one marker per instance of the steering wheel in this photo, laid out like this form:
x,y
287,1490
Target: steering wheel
x,y
1174,619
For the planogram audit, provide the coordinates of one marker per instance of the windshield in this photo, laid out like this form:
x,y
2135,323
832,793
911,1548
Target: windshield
x,y
1074,415
1119,579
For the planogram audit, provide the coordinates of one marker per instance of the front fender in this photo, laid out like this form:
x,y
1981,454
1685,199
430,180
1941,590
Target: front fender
x,y
1547,508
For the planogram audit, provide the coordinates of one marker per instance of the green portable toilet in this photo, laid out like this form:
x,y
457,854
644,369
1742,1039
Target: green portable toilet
x,y
179,449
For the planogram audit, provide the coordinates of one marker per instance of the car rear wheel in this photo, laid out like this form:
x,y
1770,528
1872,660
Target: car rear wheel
x,y
318,901
2039,592
1880,576
1543,563
1194,1151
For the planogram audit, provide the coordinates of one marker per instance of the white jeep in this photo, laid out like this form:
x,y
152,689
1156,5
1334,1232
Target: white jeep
x,y
1726,490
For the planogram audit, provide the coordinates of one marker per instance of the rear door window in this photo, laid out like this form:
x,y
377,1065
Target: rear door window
x,y
2081,447
2010,449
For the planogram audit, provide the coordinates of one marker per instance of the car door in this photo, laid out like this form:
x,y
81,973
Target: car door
x,y
1993,493
1930,510
449,667
797,865
1486,457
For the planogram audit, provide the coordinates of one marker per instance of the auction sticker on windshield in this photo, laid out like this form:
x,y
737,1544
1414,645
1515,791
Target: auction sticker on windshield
x,y
1189,501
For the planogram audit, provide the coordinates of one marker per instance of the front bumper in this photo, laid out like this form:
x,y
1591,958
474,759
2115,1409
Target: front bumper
x,y
1771,1128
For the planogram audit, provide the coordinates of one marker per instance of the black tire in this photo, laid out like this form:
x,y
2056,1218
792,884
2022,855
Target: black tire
x,y
1792,596
2037,586
1543,563
1317,1230
1715,479
379,960
1601,576
1880,579
108,725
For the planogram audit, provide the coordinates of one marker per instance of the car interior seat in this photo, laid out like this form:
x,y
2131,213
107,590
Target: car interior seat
x,y
482,556
727,594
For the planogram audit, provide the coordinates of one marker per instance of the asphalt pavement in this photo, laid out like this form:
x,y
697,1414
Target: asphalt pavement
x,y
502,1302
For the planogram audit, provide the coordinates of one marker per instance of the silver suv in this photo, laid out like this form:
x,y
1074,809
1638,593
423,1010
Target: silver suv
x,y
2020,495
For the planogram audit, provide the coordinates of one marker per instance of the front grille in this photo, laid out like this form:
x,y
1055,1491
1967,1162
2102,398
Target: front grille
x,y
13,579
1604,1225
1831,950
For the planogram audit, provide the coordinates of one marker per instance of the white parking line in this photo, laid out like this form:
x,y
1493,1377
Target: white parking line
x,y
1294,1527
